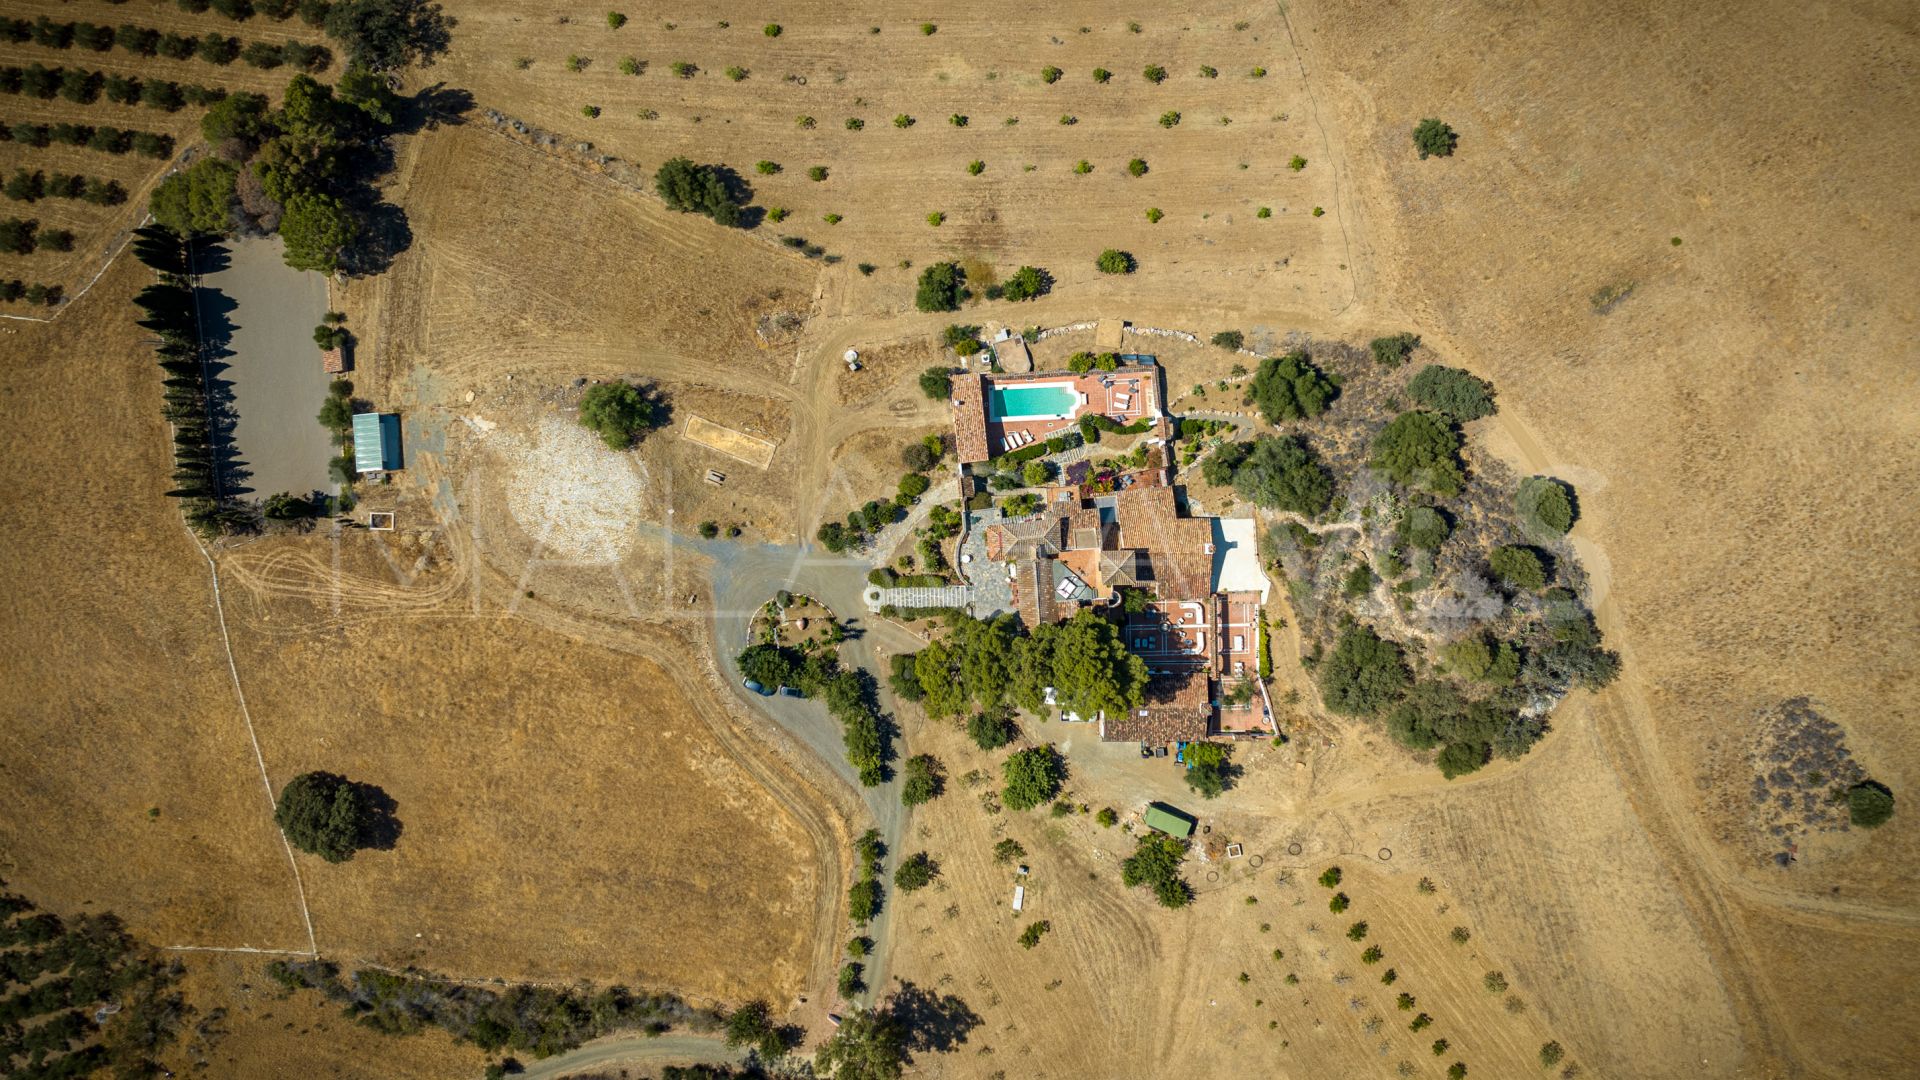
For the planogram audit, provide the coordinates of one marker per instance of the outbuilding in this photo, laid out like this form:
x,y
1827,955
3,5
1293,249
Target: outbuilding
x,y
376,442
1166,819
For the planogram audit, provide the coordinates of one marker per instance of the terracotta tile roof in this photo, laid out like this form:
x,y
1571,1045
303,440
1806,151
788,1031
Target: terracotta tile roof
x,y
1175,547
333,361
1176,708
970,418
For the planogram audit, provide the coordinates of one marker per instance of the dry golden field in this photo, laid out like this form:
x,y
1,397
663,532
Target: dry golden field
x,y
516,668
100,230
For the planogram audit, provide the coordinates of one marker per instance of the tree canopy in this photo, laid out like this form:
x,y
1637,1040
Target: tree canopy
x,y
1459,394
198,200
1869,804
389,34
869,1044
1290,388
1364,675
1282,473
942,287
697,189
1033,777
1434,139
1420,449
619,412
1155,863
1027,283
1209,770
323,814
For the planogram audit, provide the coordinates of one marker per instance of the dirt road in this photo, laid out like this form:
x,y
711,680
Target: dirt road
x,y
636,1050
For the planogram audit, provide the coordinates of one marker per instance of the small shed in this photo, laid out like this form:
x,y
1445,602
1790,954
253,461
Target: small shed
x,y
333,361
376,442
1170,821
1019,897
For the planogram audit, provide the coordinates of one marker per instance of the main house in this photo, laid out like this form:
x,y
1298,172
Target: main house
x,y
1189,590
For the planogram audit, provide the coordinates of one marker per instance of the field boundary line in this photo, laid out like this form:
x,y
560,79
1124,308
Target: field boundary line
x,y
236,949
233,669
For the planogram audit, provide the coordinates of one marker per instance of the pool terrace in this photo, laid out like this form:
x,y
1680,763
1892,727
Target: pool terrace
x,y
997,413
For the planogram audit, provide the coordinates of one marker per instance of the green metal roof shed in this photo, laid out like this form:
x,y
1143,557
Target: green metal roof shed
x,y
1168,820
376,442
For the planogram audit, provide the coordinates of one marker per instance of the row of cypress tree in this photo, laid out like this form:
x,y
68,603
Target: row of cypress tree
x,y
167,310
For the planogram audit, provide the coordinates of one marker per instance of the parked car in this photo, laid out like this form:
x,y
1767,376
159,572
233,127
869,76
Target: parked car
x,y
788,691
756,687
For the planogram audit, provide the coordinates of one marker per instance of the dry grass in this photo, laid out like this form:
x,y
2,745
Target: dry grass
x,y
1738,428
885,180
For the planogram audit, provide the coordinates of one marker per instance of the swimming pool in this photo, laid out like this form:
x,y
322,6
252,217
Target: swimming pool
x,y
1045,401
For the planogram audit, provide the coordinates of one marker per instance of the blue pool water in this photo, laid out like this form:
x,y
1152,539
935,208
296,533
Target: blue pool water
x,y
1050,402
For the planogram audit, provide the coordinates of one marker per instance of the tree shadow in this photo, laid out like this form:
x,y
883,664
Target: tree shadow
x,y
215,313
937,1023
431,108
381,828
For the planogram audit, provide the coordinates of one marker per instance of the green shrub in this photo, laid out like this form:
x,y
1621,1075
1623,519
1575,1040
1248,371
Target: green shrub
x,y
1050,75
1330,877
991,730
1170,118
1207,72
591,112
1457,393
936,383
771,30
1550,1054
736,73
1297,163
1230,339
936,218
685,70
928,28
1434,139
904,121
1394,349
1338,903
1420,449
1101,75
1290,388
817,173
958,120
1155,74
1424,527
1114,261
1358,932
1545,507
1032,934
1107,818
1154,215
1364,674
1518,566
976,167
1277,473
